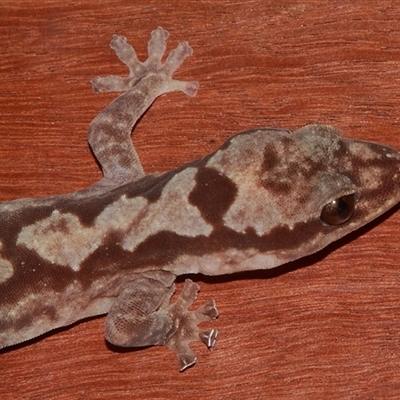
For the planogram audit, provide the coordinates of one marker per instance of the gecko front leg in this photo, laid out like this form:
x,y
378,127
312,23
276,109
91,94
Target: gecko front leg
x,y
109,132
142,316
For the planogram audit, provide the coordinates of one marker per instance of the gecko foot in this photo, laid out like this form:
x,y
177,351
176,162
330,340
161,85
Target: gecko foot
x,y
152,66
185,322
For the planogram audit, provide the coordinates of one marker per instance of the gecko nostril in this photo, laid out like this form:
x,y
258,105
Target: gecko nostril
x,y
339,210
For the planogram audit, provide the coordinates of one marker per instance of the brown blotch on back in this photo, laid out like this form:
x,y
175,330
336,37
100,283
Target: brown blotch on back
x,y
213,194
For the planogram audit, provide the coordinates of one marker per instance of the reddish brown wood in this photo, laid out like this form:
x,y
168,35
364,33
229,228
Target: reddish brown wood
x,y
324,327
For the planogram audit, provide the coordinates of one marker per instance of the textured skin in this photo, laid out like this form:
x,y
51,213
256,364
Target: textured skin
x,y
264,198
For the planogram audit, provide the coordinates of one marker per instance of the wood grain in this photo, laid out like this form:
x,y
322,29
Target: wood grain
x,y
323,327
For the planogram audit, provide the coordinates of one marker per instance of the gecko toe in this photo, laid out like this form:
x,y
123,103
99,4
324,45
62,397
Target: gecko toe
x,y
209,337
186,361
123,50
207,312
177,56
157,45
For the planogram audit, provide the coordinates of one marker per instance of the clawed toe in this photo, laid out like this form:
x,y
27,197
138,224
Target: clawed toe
x,y
186,362
209,337
207,312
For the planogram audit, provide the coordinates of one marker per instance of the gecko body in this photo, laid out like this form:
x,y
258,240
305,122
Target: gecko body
x,y
265,197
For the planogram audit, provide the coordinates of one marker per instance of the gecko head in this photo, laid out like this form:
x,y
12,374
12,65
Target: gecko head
x,y
297,192
353,181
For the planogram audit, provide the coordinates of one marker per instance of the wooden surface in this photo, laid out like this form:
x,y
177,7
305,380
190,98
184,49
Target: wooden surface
x,y
323,327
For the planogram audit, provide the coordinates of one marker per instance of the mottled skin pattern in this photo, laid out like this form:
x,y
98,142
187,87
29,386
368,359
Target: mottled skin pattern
x,y
264,198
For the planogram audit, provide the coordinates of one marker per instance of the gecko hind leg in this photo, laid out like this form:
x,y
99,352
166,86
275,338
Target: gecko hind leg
x,y
142,316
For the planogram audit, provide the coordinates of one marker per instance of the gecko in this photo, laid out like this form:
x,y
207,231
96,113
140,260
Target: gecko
x,y
262,199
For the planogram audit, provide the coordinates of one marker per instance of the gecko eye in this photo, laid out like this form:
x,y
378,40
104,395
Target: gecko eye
x,y
338,211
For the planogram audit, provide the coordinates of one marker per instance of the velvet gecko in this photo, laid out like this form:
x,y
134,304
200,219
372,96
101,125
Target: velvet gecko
x,y
265,197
